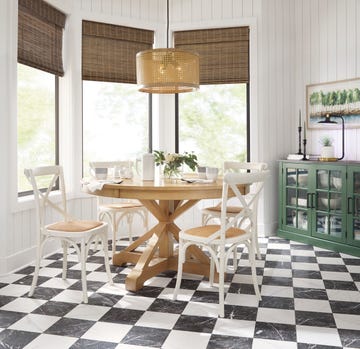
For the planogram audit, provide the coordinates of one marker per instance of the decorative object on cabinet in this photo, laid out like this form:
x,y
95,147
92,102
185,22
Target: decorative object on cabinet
x,y
335,97
319,203
327,150
167,70
329,121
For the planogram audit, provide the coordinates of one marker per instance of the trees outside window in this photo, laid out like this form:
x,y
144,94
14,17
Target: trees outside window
x,y
213,123
115,122
37,121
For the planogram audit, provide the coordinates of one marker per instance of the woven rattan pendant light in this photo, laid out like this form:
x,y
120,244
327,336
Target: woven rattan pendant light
x,y
167,70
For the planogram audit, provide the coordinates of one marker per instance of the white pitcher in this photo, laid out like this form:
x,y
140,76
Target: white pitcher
x,y
147,169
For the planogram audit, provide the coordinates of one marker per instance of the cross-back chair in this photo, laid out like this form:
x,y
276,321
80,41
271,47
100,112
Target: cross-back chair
x,y
214,212
121,209
221,240
71,232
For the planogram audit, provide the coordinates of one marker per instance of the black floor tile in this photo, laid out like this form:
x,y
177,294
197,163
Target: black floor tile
x,y
70,327
313,318
122,316
274,331
146,336
229,342
201,324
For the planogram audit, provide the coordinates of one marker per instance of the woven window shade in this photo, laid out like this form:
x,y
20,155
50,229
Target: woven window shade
x,y
109,51
40,29
224,53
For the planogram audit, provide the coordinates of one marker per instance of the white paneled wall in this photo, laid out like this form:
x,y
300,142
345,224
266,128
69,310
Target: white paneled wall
x,y
297,42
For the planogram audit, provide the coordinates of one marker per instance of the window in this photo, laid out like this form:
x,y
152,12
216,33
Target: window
x,y
37,121
115,121
213,123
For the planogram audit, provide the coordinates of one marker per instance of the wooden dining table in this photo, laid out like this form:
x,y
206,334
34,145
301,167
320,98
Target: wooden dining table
x,y
167,200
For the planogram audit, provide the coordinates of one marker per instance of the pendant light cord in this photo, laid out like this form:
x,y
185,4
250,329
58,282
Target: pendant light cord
x,y
167,23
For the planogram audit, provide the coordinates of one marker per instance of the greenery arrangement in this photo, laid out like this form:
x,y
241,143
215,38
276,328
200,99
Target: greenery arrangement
x,y
172,162
326,141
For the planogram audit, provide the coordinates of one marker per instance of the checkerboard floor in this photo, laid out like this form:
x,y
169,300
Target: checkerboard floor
x,y
310,299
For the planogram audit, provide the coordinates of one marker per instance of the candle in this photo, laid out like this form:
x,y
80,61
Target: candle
x,y
299,117
304,130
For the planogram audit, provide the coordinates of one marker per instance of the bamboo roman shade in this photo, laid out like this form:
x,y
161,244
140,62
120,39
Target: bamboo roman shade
x,y
109,51
40,29
224,53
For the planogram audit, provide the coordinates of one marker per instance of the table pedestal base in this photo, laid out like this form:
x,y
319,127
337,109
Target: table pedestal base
x,y
158,255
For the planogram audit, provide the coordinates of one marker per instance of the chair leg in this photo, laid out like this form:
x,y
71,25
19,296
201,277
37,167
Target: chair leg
x,y
221,281
106,257
65,257
114,228
235,258
130,222
181,259
253,269
83,270
37,269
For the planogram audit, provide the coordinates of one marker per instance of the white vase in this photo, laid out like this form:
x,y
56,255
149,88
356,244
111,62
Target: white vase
x,y
327,152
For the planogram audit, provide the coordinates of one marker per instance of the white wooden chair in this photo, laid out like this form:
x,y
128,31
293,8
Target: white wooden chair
x,y
221,240
214,212
122,209
76,233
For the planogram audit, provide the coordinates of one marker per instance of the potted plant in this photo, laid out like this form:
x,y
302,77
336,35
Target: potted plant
x,y
173,162
327,150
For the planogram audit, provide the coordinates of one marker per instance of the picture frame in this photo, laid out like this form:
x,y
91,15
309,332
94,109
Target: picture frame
x,y
335,97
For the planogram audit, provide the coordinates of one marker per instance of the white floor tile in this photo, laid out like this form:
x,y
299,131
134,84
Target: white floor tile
x,y
335,275
70,296
347,321
50,272
158,320
183,295
185,339
246,300
98,276
87,312
232,327
304,253
318,335
10,278
134,302
259,343
354,269
276,246
277,291
308,283
107,332
278,257
343,295
205,309
278,272
304,266
34,323
59,283
158,282
316,305
25,305
281,316
118,289
89,266
246,279
330,260
14,290
57,342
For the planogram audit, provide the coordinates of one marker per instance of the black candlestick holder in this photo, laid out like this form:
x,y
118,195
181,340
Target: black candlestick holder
x,y
304,157
299,130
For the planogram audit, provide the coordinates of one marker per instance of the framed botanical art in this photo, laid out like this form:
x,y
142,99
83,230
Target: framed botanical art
x,y
336,97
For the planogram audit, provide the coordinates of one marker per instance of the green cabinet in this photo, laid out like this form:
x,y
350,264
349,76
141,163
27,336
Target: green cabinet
x,y
320,204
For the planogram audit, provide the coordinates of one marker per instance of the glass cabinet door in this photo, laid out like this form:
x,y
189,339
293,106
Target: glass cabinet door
x,y
296,204
330,203
353,215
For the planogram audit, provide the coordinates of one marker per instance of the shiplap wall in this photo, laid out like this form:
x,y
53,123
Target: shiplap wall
x,y
298,42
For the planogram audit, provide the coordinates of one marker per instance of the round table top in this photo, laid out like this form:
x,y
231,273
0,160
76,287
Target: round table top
x,y
160,189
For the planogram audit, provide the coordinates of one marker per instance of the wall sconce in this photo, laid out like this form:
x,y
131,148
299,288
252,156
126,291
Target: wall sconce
x,y
328,121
